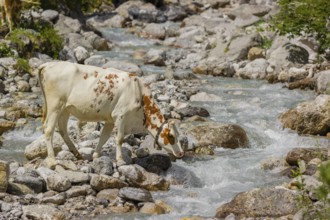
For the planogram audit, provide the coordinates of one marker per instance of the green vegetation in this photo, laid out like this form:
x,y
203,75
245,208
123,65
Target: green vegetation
x,y
5,50
22,66
304,18
86,6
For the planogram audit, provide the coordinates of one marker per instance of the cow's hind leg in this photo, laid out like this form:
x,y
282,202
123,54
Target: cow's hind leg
x,y
105,134
63,130
119,140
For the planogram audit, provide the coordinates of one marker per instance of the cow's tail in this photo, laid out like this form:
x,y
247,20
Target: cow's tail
x,y
41,77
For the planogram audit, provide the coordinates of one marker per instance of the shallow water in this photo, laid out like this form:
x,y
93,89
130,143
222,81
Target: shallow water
x,y
254,105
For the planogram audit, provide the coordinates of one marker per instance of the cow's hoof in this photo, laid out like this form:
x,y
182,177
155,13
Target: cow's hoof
x,y
96,155
121,163
50,163
78,156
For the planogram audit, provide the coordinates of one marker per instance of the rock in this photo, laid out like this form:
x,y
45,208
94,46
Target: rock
x,y
103,165
190,111
34,183
156,31
323,82
124,66
155,57
256,69
18,189
100,182
76,177
42,212
38,147
87,153
135,194
108,194
205,97
154,163
288,55
187,36
67,164
255,53
58,182
151,208
175,12
4,175
138,177
272,163
23,86
6,126
293,74
307,83
65,155
45,172
50,15
66,25
81,54
148,16
311,117
305,154
217,134
270,202
58,199
178,175
76,191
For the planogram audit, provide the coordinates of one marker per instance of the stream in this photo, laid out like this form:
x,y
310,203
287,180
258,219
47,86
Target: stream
x,y
254,105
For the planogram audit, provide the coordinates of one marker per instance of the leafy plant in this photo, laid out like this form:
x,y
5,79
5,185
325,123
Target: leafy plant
x,y
22,66
5,50
304,18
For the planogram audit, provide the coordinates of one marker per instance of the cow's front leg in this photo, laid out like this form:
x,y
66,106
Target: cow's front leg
x,y
49,128
119,141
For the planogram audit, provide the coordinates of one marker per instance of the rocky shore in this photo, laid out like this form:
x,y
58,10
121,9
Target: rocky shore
x,y
220,38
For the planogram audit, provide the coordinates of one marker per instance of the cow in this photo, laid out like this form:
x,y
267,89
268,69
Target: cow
x,y
96,94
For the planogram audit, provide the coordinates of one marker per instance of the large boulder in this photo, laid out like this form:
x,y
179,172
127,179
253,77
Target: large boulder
x,y
217,134
254,70
257,203
135,194
311,117
305,154
154,163
139,177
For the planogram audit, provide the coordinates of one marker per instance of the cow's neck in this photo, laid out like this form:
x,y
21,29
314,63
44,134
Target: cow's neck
x,y
153,118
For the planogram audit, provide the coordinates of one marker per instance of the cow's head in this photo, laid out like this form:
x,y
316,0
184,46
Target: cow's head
x,y
168,139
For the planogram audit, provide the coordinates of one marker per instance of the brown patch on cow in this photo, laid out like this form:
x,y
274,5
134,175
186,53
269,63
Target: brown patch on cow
x,y
85,76
168,138
98,110
151,113
95,73
130,75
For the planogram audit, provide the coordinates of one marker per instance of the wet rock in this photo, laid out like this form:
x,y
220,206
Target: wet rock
x,y
190,111
4,175
256,69
34,183
151,208
323,82
217,134
58,182
204,97
100,182
154,163
153,30
108,194
42,212
124,66
272,163
18,189
307,83
270,202
103,165
76,177
305,154
135,194
155,57
6,126
311,117
178,175
58,199
138,177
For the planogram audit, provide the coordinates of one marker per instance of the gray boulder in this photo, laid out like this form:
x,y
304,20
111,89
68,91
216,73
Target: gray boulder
x,y
323,82
42,212
58,182
135,194
256,69
101,182
103,165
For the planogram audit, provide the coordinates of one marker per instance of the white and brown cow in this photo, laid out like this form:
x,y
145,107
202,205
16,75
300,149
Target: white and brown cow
x,y
97,94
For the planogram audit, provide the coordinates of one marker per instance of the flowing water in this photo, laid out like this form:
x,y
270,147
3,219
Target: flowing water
x,y
254,105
